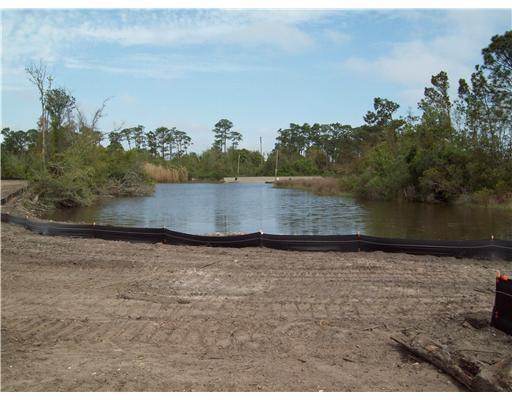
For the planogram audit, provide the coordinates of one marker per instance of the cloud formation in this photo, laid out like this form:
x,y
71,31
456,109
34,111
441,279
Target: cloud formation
x,y
411,63
46,34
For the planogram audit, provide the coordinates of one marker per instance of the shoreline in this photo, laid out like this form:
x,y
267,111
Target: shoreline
x,y
265,179
331,186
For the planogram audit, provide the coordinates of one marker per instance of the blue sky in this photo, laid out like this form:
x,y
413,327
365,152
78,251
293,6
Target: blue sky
x,y
260,69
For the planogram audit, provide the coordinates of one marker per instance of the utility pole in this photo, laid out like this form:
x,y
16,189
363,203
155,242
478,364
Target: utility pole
x,y
238,168
277,159
261,151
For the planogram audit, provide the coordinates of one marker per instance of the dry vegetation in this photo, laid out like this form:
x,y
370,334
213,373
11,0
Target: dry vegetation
x,y
320,186
166,175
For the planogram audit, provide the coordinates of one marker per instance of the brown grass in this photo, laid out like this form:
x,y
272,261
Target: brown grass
x,y
320,186
166,175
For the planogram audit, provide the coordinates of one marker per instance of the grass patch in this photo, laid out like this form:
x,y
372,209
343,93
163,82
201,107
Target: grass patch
x,y
487,198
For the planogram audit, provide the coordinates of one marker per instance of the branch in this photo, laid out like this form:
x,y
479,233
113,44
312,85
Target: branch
x,y
469,372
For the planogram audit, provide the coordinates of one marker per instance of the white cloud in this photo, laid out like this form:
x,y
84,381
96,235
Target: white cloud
x,y
410,64
71,38
336,37
145,65
46,34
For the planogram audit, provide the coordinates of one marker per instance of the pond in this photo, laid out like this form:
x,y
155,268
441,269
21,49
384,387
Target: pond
x,y
201,208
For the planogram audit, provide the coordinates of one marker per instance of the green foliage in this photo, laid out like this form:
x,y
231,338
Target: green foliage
x,y
453,149
13,166
383,114
385,174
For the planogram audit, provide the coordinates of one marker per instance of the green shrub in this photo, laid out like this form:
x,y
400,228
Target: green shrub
x,y
13,166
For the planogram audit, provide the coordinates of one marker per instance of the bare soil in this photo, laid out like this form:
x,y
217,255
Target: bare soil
x,y
93,315
9,188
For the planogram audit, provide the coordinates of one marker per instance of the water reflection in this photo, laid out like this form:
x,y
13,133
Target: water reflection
x,y
206,208
413,220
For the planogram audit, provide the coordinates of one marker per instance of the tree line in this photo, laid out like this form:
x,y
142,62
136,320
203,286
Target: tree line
x,y
448,149
454,147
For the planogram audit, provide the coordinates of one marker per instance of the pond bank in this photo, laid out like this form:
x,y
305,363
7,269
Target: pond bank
x,y
11,189
330,186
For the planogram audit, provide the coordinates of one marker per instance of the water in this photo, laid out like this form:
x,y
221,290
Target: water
x,y
248,207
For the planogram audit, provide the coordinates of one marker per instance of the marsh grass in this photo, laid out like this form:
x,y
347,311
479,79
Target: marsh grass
x,y
166,175
320,186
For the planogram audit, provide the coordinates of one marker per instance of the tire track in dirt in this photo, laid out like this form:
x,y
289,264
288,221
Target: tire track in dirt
x,y
97,315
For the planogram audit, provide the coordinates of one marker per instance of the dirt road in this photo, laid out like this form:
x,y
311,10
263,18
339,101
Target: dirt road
x,y
263,179
92,315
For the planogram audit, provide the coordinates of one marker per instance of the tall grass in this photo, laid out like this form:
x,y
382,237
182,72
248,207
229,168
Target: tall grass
x,y
166,175
320,186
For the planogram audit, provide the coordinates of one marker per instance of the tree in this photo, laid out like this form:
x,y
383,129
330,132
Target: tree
x,y
59,104
342,144
152,143
161,139
383,112
127,135
236,138
223,134
43,82
17,142
436,104
182,141
498,59
498,64
293,140
139,137
170,140
115,137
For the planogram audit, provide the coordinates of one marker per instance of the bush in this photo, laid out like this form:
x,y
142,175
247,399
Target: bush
x,y
13,166
67,183
384,176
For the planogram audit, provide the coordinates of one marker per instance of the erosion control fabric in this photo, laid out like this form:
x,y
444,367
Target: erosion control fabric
x,y
502,311
483,249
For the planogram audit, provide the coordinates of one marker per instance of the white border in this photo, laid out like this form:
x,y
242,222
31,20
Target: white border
x,y
259,4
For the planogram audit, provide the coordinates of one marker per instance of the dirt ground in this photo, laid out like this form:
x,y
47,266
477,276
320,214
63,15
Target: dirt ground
x,y
8,187
93,315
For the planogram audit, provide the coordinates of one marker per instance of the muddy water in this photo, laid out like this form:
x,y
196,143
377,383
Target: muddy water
x,y
248,207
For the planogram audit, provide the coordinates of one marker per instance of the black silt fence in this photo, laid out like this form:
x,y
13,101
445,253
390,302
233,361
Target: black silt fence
x,y
248,240
491,249
310,242
502,311
145,235
483,249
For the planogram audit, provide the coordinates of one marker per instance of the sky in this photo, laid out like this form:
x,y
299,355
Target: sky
x,y
261,69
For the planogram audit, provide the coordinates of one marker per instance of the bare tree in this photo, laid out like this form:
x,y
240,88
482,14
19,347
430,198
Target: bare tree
x,y
100,112
39,76
85,126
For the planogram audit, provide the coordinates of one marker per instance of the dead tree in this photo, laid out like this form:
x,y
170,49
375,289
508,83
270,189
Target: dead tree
x,y
39,76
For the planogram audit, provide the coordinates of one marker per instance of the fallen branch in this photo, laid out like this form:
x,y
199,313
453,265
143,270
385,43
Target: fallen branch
x,y
209,264
469,372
